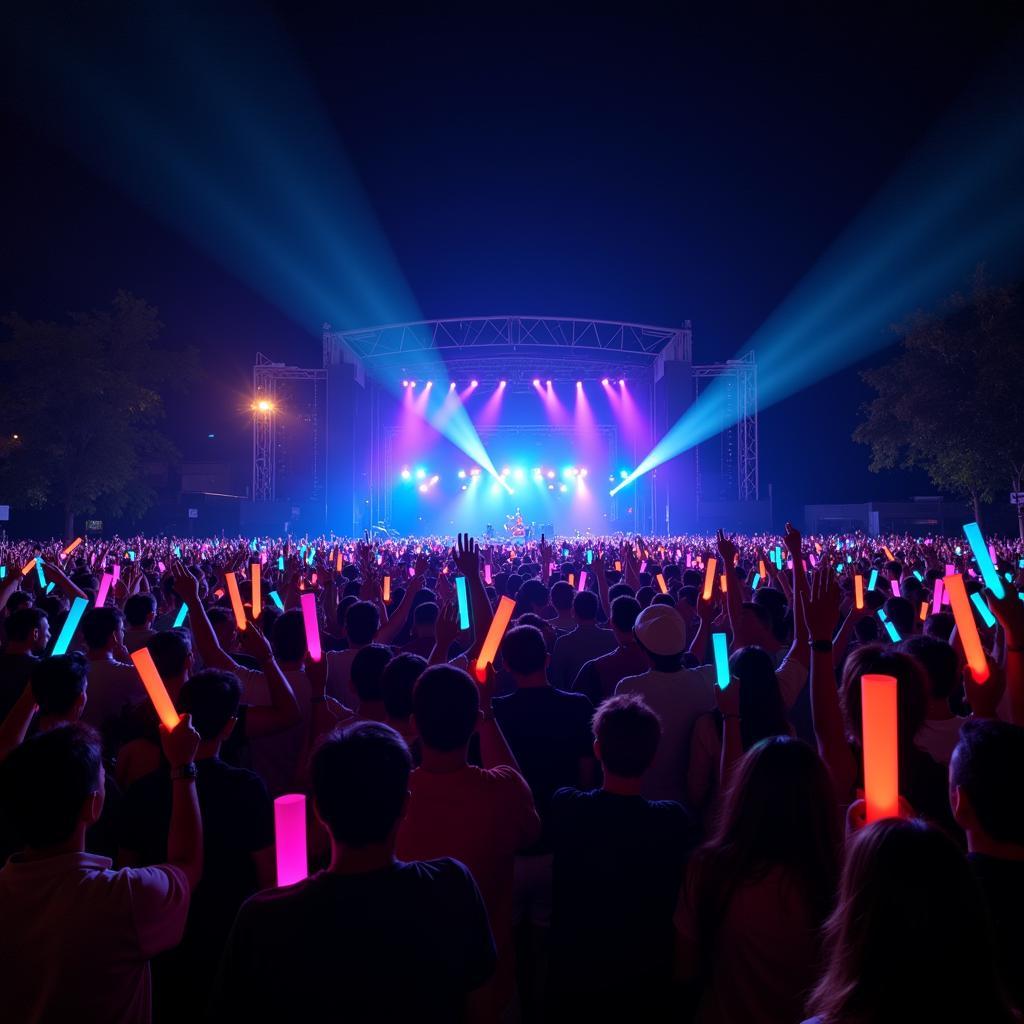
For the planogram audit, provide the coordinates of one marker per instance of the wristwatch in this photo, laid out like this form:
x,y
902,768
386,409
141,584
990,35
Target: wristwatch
x,y
185,771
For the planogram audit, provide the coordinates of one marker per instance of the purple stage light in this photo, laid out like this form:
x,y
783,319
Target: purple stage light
x,y
604,381
405,383
622,382
549,385
502,383
536,382
473,383
579,383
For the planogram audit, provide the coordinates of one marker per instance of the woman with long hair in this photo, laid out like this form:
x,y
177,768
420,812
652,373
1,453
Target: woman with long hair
x,y
909,939
755,895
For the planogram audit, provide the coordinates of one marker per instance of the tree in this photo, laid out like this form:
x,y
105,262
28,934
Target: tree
x,y
80,408
951,402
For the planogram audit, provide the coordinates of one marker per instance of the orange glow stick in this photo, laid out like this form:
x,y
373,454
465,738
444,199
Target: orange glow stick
x,y
888,554
709,577
662,585
762,572
572,579
924,610
236,600
338,562
257,597
28,567
881,746
858,591
387,589
967,628
723,583
618,565
502,617
71,547
143,662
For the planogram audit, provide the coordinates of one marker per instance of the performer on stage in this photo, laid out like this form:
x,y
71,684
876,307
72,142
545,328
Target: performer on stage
x,y
514,524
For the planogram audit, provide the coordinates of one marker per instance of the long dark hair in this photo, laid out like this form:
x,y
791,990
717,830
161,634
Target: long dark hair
x,y
779,811
909,938
762,712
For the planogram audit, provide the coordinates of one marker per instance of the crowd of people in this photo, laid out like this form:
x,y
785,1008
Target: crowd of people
x,y
592,824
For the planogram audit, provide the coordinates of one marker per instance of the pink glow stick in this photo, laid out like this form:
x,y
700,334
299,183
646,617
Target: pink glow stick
x,y
308,603
583,579
895,588
290,838
950,569
937,597
116,570
643,565
487,574
104,588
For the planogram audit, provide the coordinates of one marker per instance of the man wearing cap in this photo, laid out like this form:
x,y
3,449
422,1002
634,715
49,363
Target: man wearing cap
x,y
677,695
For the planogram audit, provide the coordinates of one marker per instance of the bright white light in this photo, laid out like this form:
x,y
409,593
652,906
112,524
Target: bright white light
x,y
406,475
462,474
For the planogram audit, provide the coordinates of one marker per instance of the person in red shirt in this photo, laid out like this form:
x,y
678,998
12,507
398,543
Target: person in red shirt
x,y
480,816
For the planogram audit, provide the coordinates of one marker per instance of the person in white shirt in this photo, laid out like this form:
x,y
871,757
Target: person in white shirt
x,y
114,685
940,733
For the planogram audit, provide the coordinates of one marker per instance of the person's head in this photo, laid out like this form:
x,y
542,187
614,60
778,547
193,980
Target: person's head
x,y
362,621
211,697
626,736
103,629
985,776
909,908
524,652
901,613
424,619
18,600
28,629
360,781
531,596
584,606
140,611
446,705
60,686
762,711
939,662
623,618
397,682
561,597
343,606
223,621
939,625
661,632
774,604
172,653
52,785
288,639
367,668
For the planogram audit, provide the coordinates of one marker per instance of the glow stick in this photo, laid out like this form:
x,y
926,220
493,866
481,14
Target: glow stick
x,y
920,578
236,600
387,589
893,632
709,577
280,563
116,570
502,617
131,556
39,572
895,584
986,616
290,838
104,588
618,565
858,591
937,597
70,625
161,566
985,563
881,746
924,611
179,619
257,596
572,579
276,598
50,586
723,583
308,604
143,662
721,651
71,547
778,555
662,585
873,579
950,570
338,563
28,567
487,574
757,580
590,556
463,597
583,579
3,572
643,565
888,554
177,551
967,628
761,569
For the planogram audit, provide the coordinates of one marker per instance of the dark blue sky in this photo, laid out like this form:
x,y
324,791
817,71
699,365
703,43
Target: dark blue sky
x,y
641,169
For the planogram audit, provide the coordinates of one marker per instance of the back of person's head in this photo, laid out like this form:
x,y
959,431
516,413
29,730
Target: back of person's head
x,y
985,776
221,618
138,609
424,615
908,908
939,625
624,613
901,613
627,733
343,606
523,651
620,590
773,602
584,606
16,602
99,626
58,683
762,711
367,668
362,621
170,651
939,661
532,595
446,705
397,682
360,781
21,623
562,596
211,697
45,782
289,637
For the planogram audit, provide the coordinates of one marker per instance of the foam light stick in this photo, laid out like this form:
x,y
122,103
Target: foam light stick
x,y
104,588
881,746
761,569
28,567
280,563
70,625
276,598
894,633
618,565
3,572
937,596
338,562
643,565
986,616
895,588
709,577
40,573
179,619
858,592
290,838
583,579
720,648
236,601
967,628
873,579
71,547
984,559
723,583
257,596
662,585
757,580
116,570
308,604
950,570
572,579
487,574
489,650
888,554
924,611
143,662
590,556
387,589
463,598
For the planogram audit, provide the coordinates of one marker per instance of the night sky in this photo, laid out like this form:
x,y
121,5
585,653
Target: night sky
x,y
645,169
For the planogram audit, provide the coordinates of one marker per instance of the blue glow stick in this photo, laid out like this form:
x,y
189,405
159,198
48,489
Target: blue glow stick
x,y
460,591
3,572
280,563
778,555
882,615
919,576
840,567
70,625
986,616
275,597
873,580
1008,576
49,586
757,579
177,551
590,556
1020,564
39,572
988,571
894,635
131,555
179,619
721,651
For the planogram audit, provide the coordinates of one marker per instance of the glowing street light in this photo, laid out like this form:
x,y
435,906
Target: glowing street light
x,y
263,405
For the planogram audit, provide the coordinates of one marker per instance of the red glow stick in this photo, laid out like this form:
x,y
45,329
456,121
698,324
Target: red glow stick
x,y
709,577
71,547
290,838
881,746
104,588
858,591
967,628
937,597
308,604
236,600
387,589
257,596
502,617
662,585
162,704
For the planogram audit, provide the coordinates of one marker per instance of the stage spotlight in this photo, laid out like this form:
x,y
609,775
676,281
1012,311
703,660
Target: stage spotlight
x,y
502,383
406,475
462,474
611,478
563,488
435,478
519,475
464,487
604,381
263,405
473,383
622,382
583,472
549,385
569,471
623,473
451,386
551,487
423,488
412,383
551,474
474,472
505,471
579,383
536,382
430,384
420,472
405,383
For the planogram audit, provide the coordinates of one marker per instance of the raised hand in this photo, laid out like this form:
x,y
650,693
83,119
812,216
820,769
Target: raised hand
x,y
793,542
447,627
254,643
466,555
727,549
186,586
821,606
180,743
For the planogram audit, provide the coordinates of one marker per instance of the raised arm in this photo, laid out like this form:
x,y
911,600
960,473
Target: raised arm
x,y
494,749
283,711
185,835
467,560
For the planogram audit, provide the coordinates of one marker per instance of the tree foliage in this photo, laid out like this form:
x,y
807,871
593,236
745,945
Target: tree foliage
x,y
951,401
84,399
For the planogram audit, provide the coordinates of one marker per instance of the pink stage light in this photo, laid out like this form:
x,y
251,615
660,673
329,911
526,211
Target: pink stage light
x,y
604,381
502,383
536,382
473,383
622,382
549,385
579,383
